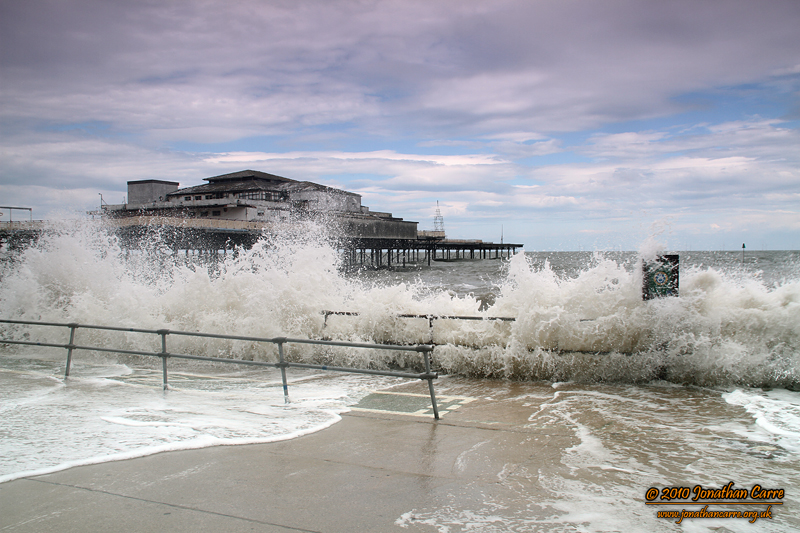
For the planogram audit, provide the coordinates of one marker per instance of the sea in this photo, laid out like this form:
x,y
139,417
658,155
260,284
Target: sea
x,y
715,371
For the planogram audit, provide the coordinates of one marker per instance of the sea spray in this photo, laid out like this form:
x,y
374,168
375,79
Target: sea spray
x,y
594,326
584,323
82,274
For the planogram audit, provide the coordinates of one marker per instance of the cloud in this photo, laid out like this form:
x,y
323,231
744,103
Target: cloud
x,y
204,70
756,137
380,155
61,171
553,112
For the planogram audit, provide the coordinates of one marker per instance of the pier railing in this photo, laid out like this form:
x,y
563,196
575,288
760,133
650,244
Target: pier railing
x,y
282,363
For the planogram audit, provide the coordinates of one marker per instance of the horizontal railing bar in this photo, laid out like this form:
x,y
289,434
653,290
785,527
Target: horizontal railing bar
x,y
274,340
33,343
109,350
218,359
175,355
417,348
435,317
365,371
224,360
83,326
56,324
287,340
112,350
455,317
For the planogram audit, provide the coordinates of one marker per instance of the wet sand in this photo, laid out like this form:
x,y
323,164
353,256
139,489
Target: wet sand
x,y
505,456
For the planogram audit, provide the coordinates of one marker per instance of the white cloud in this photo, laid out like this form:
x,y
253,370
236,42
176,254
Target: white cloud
x,y
379,155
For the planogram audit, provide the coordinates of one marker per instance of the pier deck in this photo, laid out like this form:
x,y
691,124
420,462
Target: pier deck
x,y
207,236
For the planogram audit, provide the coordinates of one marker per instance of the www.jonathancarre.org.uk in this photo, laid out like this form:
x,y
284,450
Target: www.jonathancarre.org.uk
x,y
726,495
682,514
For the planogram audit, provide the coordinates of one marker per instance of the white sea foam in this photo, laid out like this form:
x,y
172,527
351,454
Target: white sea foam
x,y
586,324
596,449
776,415
106,413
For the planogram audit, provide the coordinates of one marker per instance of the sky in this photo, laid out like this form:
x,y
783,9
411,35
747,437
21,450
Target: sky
x,y
557,124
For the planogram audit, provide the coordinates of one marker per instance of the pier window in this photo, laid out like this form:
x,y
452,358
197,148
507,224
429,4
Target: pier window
x,y
187,198
216,213
268,196
199,197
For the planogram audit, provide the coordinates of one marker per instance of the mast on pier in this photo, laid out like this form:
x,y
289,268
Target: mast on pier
x,y
438,219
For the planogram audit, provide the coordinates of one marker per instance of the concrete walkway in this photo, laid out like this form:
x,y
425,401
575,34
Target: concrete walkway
x,y
373,471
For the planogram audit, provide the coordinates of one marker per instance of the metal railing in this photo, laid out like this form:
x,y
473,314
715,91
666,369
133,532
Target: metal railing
x,y
429,318
11,211
282,363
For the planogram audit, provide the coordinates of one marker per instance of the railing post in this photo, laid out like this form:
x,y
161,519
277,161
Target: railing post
x,y
282,364
427,356
164,355
70,347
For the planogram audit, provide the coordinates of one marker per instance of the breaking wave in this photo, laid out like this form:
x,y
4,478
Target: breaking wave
x,y
727,327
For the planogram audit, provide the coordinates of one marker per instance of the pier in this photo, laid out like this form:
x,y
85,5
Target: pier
x,y
400,253
233,211
204,237
215,237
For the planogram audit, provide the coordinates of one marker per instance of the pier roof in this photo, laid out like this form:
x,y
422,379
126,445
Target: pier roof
x,y
243,181
253,180
243,175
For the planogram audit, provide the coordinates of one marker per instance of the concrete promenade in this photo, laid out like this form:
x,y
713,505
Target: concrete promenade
x,y
376,470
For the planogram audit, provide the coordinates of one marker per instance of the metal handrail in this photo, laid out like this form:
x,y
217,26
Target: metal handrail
x,y
425,349
430,318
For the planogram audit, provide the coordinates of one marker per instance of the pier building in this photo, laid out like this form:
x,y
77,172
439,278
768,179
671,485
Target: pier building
x,y
260,199
236,209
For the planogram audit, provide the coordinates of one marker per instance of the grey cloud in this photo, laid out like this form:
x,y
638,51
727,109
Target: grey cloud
x,y
446,66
